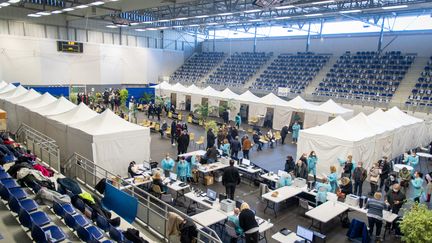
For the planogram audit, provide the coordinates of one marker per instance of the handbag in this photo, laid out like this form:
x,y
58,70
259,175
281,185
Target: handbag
x,y
374,179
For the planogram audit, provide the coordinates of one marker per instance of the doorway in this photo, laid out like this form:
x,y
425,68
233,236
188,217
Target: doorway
x,y
188,103
174,99
244,112
268,118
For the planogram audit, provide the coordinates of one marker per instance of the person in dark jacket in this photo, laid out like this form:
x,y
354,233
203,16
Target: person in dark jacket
x,y
359,176
183,142
133,169
210,138
235,148
249,224
289,164
230,179
225,117
163,128
173,131
256,140
211,155
188,231
300,170
284,133
395,198
346,186
385,171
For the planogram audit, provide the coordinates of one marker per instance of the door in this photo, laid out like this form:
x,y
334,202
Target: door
x,y
188,103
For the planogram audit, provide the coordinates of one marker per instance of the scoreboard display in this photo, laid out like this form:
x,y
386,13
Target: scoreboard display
x,y
70,46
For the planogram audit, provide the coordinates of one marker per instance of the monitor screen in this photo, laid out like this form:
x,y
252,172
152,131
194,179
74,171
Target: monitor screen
x,y
173,176
211,194
238,203
305,233
281,173
246,162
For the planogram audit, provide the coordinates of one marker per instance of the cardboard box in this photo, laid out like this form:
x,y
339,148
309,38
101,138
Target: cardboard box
x,y
208,180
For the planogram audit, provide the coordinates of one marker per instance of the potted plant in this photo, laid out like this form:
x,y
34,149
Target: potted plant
x,y
228,105
124,94
73,97
203,112
415,225
146,98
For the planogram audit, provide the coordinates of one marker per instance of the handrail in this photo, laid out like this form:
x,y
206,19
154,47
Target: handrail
x,y
43,146
90,174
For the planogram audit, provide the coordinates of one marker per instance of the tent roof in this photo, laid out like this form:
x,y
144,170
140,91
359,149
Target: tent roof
x,y
228,94
3,84
178,87
7,88
193,89
78,114
30,94
361,122
13,93
272,99
106,123
402,116
337,128
248,97
42,100
209,91
299,103
59,106
380,117
332,107
163,85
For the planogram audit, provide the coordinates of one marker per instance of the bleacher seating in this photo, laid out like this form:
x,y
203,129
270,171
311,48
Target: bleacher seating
x,y
367,76
291,71
238,68
422,92
197,67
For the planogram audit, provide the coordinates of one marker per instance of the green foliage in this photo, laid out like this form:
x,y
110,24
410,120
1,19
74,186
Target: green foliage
x,y
203,111
416,224
124,94
73,97
211,124
227,105
159,101
146,98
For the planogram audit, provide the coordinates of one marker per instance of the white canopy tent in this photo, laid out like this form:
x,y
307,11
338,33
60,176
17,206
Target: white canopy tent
x,y
324,112
10,105
3,84
56,124
229,96
333,140
111,142
256,108
24,109
18,91
163,89
7,88
39,114
282,114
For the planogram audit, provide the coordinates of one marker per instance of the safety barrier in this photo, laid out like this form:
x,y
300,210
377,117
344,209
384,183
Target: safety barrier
x,y
152,212
41,145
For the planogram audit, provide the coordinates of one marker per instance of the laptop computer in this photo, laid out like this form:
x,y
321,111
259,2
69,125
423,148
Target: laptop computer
x,y
246,162
173,177
210,196
305,233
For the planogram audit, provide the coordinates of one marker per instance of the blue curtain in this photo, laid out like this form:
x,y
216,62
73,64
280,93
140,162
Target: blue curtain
x,y
56,91
121,203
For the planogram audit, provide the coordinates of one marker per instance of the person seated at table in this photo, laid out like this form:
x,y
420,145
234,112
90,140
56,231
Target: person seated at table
x,y
225,147
270,137
322,189
235,219
333,178
157,180
211,155
193,162
248,223
182,169
167,165
345,186
285,180
133,169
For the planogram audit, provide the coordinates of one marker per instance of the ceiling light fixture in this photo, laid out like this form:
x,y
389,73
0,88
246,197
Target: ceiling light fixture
x,y
252,11
213,23
57,12
255,20
148,22
68,9
350,11
97,3
4,4
177,26
34,15
140,30
150,29
232,22
285,7
163,20
134,23
395,7
193,25
82,6
312,15
323,2
44,13
201,16
181,19
111,26
14,1
225,14
285,17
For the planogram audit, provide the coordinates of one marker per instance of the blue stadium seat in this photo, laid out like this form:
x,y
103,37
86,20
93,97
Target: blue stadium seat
x,y
37,218
28,205
62,209
17,192
103,223
89,234
74,221
9,183
116,234
39,234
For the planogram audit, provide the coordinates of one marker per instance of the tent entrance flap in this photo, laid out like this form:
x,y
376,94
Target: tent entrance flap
x,y
174,99
205,101
298,117
188,103
244,112
268,118
223,104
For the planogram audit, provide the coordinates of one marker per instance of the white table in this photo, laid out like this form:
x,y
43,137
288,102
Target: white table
x,y
146,180
249,169
273,177
198,152
285,193
425,155
178,189
290,238
209,217
398,167
207,168
326,212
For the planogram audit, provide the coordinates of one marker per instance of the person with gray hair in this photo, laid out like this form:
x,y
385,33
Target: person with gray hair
x,y
375,207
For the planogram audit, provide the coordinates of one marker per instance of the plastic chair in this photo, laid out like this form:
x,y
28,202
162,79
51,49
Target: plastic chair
x,y
37,218
116,234
15,205
40,234
9,183
305,205
4,175
62,209
17,192
200,141
102,223
89,234
74,221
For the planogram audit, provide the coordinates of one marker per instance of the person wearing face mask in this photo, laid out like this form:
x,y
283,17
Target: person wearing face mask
x,y
322,189
300,169
389,182
167,165
418,186
348,166
359,176
395,198
311,163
